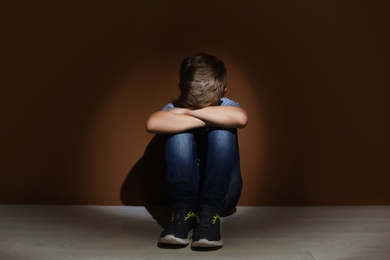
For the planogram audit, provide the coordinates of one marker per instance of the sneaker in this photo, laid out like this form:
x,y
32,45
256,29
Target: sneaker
x,y
206,232
179,231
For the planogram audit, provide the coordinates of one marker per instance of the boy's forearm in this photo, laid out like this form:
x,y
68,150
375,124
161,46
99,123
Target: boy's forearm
x,y
223,116
164,122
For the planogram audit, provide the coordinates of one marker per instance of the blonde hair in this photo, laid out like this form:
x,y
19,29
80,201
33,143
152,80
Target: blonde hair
x,y
202,81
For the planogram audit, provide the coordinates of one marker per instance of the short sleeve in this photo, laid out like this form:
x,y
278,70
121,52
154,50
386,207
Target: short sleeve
x,y
168,107
229,102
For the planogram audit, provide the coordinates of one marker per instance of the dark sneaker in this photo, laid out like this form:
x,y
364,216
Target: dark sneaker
x,y
179,231
206,232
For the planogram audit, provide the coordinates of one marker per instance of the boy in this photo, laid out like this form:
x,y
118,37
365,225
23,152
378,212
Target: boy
x,y
202,157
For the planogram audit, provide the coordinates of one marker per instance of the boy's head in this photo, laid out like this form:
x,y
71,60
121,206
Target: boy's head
x,y
202,81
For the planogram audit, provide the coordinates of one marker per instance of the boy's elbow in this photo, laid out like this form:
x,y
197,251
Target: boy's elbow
x,y
150,126
242,120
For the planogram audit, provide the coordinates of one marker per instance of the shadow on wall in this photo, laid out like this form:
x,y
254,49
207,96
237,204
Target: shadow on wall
x,y
143,185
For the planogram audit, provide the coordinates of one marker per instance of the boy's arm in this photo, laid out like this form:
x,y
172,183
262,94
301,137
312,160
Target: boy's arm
x,y
173,121
223,116
177,120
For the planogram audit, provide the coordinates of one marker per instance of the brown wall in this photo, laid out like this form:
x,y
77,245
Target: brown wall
x,y
79,80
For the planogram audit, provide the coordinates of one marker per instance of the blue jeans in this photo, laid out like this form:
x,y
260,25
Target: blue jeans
x,y
203,169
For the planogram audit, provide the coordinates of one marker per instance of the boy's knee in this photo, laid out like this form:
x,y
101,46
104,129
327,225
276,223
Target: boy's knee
x,y
224,135
180,144
223,139
181,138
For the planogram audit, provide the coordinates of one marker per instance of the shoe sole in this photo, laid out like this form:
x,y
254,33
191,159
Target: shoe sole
x,y
172,240
206,243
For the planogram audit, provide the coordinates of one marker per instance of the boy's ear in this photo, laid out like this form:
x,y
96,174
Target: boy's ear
x,y
225,90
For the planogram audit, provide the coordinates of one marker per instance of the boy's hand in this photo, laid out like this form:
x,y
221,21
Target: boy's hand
x,y
180,111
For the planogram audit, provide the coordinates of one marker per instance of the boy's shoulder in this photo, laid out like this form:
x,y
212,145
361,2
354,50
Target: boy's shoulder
x,y
168,106
229,102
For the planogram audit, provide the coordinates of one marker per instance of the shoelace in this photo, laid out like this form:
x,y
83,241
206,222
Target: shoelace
x,y
206,220
178,216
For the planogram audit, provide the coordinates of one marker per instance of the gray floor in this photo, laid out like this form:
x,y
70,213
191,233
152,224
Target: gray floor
x,y
119,232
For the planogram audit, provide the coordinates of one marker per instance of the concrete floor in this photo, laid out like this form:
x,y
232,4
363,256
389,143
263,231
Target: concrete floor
x,y
123,232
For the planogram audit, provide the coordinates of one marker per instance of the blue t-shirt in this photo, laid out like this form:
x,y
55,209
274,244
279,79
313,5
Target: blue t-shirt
x,y
224,102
